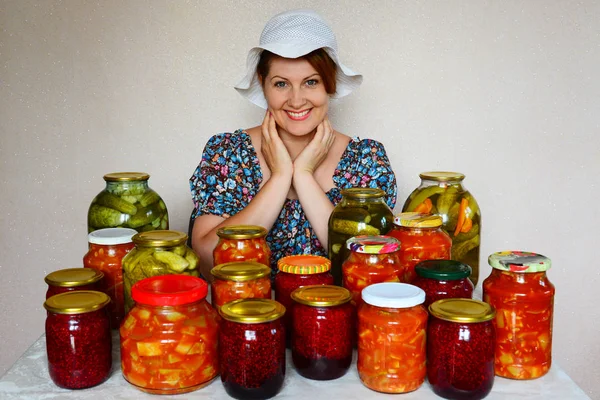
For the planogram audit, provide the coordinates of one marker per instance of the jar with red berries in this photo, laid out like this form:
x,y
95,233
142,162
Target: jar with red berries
x,y
443,279
71,279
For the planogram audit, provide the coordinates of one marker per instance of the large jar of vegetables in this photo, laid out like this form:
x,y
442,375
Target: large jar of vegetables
x,y
362,211
127,201
443,194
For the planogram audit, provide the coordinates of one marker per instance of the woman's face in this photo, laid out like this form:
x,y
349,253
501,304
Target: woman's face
x,y
295,95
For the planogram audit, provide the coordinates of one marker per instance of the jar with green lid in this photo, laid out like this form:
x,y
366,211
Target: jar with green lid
x,y
128,202
240,280
362,211
443,279
443,193
71,279
157,253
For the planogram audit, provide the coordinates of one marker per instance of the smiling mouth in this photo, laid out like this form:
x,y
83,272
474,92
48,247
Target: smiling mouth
x,y
298,116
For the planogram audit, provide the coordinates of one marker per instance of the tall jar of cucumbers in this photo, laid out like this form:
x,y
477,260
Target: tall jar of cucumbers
x,y
127,201
442,193
362,211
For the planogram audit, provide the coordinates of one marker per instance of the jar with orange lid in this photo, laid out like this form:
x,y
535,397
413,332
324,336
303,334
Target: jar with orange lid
x,y
71,279
391,337
107,247
519,289
373,259
242,243
169,339
240,280
422,239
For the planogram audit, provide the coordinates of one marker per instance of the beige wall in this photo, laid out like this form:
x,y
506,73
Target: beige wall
x,y
506,92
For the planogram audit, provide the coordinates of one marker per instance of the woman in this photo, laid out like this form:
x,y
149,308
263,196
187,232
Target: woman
x,y
286,174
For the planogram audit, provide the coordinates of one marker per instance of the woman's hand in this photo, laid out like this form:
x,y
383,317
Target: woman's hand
x,y
313,155
276,154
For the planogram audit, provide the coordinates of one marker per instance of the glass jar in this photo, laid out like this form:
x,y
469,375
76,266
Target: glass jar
x,y
422,239
240,280
322,331
295,272
71,279
391,337
373,259
252,348
128,202
460,348
107,247
78,339
362,211
169,339
242,243
157,253
443,279
523,297
443,194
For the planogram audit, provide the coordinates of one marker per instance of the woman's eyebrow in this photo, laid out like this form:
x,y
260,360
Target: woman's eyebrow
x,y
286,79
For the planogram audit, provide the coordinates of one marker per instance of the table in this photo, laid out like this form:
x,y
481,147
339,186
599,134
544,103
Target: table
x,y
28,379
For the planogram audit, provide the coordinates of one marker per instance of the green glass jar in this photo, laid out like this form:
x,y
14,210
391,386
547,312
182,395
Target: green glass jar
x,y
128,202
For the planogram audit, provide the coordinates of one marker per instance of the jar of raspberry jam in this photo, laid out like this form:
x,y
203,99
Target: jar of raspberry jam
x,y
322,332
242,243
70,279
240,280
443,279
460,348
78,339
252,348
107,247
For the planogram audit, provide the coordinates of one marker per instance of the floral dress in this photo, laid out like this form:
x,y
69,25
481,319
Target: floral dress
x,y
229,176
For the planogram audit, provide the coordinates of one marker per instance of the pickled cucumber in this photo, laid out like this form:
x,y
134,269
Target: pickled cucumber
x,y
354,214
150,197
116,203
353,228
461,237
473,208
103,217
447,199
174,262
144,216
459,250
191,258
420,196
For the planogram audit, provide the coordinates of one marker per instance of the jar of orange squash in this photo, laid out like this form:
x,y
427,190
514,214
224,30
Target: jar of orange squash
x,y
242,243
240,280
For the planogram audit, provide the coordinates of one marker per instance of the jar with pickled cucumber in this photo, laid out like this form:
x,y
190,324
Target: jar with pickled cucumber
x,y
362,211
157,253
442,193
128,202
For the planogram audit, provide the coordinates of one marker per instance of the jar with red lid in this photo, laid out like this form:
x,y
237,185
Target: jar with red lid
x,y
240,280
242,243
422,239
523,297
252,348
373,259
107,247
460,348
71,279
392,325
323,331
443,279
78,339
169,339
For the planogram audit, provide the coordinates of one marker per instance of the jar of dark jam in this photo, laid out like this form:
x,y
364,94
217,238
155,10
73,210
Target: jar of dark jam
x,y
70,279
240,280
78,339
252,348
323,322
460,348
443,279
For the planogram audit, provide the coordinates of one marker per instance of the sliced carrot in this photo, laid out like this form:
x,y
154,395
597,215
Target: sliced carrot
x,y
425,207
464,203
467,225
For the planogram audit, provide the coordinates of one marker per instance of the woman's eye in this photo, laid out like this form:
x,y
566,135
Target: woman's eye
x,y
280,84
312,82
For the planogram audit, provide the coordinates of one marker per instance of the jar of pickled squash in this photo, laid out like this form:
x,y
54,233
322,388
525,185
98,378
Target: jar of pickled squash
x,y
128,202
322,331
240,280
391,337
252,348
373,259
78,339
443,279
442,193
460,348
523,297
169,339
362,211
422,239
157,253
107,247
242,243
71,279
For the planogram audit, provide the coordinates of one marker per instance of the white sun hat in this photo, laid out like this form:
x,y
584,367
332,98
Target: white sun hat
x,y
293,34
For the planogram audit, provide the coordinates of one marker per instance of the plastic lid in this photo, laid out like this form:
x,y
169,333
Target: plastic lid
x,y
321,295
393,295
363,193
418,220
443,270
77,302
462,310
240,271
72,277
304,264
442,176
126,176
373,244
169,290
110,236
159,238
252,311
242,232
519,261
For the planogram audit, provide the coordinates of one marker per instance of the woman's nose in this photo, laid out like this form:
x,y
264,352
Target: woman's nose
x,y
296,99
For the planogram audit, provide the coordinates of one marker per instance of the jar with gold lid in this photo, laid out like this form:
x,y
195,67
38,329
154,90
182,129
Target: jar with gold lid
x,y
242,243
240,280
71,279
